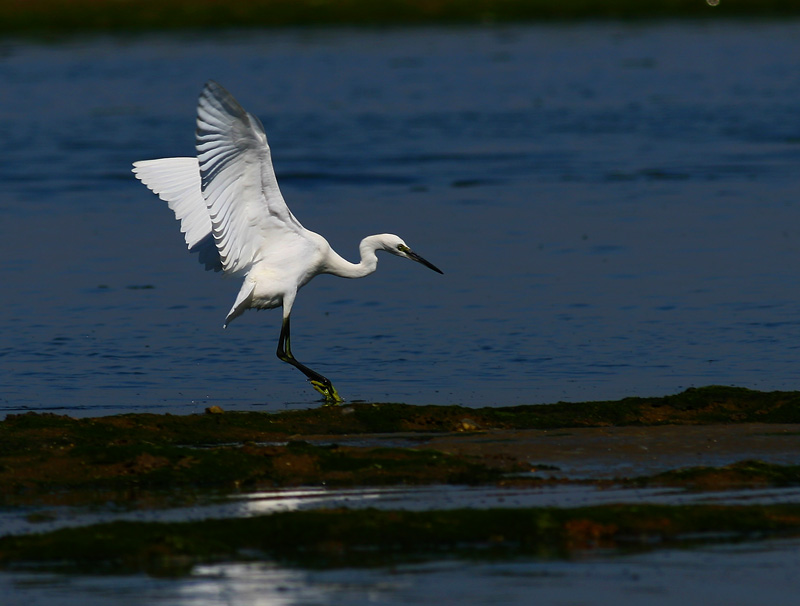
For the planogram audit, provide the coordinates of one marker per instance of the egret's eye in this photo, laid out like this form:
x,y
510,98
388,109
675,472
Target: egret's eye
x,y
402,248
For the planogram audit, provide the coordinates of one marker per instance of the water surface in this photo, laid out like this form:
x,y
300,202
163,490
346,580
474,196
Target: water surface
x,y
615,207
746,574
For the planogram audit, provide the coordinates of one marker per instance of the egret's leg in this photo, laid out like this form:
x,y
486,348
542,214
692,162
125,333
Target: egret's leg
x,y
320,383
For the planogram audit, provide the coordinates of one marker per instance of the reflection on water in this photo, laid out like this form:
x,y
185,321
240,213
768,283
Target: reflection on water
x,y
614,206
670,577
704,575
744,575
408,498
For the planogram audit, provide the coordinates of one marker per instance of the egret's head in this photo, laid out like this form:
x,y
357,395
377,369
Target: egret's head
x,y
396,246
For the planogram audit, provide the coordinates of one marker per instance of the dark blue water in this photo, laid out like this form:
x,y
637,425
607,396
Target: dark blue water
x,y
616,208
752,575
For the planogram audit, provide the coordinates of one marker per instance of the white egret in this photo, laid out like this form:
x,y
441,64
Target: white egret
x,y
233,214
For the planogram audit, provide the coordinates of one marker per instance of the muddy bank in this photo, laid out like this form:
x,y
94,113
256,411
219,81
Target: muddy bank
x,y
713,438
54,458
624,452
376,538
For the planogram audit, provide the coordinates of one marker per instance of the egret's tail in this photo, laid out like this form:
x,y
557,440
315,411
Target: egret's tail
x,y
243,301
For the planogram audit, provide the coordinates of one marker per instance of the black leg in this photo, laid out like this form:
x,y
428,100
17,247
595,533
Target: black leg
x,y
320,383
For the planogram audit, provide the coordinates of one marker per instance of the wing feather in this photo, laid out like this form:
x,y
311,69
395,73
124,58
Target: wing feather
x,y
244,203
177,182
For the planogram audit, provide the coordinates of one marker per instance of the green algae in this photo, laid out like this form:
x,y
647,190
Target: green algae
x,y
108,472
370,537
147,460
45,456
713,404
742,474
705,405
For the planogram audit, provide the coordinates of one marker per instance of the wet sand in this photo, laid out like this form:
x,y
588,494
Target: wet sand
x,y
625,452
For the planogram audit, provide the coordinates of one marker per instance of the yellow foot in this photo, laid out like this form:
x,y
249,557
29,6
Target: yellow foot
x,y
332,396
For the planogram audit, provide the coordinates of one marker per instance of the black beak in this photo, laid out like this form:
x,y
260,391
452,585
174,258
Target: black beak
x,y
415,257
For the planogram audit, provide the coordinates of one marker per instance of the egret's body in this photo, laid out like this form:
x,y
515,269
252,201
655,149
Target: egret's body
x,y
233,214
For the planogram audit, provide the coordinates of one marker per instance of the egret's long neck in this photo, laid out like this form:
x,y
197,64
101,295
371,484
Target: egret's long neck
x,y
368,264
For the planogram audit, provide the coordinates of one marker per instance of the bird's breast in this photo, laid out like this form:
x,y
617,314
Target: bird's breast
x,y
282,272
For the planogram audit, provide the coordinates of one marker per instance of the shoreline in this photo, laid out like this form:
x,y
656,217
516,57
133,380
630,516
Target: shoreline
x,y
709,441
49,17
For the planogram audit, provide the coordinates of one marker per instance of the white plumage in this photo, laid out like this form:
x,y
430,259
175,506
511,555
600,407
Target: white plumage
x,y
177,181
231,211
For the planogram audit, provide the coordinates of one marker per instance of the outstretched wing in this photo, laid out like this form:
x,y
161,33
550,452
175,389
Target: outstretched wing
x,y
177,181
238,183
